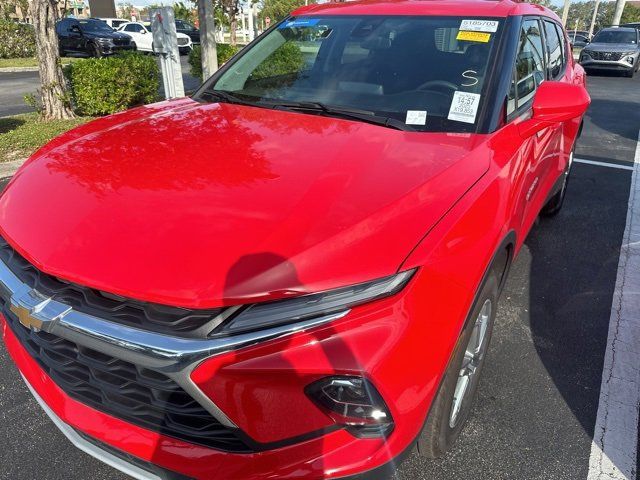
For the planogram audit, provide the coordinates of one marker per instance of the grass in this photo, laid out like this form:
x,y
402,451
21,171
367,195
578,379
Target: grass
x,y
30,62
21,135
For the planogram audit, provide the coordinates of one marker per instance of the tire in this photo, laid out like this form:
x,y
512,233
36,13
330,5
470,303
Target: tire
x,y
554,204
445,421
94,51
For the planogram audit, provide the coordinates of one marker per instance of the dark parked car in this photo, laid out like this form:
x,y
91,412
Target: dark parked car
x,y
90,37
187,28
578,41
615,48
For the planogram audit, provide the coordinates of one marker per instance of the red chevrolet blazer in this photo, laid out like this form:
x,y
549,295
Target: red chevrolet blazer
x,y
295,272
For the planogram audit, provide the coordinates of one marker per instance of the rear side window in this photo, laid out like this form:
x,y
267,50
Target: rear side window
x,y
563,44
554,50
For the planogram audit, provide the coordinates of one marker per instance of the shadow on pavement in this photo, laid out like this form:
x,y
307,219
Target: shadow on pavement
x,y
7,124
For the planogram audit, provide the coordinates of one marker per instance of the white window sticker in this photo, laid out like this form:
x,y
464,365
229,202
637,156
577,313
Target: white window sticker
x,y
416,117
464,107
479,25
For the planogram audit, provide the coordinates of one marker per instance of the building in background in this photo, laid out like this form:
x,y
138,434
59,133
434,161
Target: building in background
x,y
76,8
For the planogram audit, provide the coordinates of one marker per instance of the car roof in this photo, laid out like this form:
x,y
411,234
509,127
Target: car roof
x,y
609,29
471,8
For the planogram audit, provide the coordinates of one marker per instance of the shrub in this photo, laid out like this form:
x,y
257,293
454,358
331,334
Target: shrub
x,y
16,40
224,51
100,86
287,59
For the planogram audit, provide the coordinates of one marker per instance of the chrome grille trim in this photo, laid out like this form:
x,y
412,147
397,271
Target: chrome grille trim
x,y
175,357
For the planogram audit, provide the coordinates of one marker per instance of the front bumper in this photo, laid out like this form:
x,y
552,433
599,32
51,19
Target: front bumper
x,y
616,65
256,385
113,49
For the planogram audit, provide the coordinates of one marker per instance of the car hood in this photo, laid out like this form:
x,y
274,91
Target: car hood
x,y
611,47
105,34
202,205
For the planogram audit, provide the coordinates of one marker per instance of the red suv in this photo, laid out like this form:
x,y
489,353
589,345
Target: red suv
x,y
295,272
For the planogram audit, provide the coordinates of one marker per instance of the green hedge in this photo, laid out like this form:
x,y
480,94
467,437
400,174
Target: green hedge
x,y
100,86
16,40
224,51
287,59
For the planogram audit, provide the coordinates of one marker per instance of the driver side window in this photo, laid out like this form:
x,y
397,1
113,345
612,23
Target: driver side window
x,y
529,70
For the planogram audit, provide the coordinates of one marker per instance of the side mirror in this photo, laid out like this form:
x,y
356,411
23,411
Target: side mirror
x,y
555,102
143,31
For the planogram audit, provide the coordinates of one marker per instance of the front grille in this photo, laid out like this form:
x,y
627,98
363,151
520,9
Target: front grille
x,y
608,56
121,41
137,395
183,41
172,321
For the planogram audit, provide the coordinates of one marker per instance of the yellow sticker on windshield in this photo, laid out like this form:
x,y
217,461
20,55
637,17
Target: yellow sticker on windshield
x,y
473,36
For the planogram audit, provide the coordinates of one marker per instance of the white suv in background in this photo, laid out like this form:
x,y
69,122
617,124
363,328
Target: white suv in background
x,y
114,23
143,37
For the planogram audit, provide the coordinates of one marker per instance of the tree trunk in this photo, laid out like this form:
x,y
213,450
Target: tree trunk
x,y
233,28
53,91
209,55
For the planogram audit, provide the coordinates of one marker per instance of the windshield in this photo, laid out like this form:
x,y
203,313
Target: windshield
x,y
94,26
427,72
615,36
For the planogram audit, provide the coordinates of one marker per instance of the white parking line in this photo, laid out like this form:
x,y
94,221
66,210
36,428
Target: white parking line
x,y
615,437
603,164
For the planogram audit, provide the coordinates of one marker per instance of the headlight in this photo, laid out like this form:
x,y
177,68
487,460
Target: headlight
x,y
631,54
305,307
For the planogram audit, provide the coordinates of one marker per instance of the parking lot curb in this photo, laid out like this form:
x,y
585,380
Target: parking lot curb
x,y
7,169
18,69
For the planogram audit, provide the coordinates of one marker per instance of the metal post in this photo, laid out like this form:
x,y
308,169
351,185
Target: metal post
x,y
207,38
617,15
250,24
165,43
254,14
593,18
244,27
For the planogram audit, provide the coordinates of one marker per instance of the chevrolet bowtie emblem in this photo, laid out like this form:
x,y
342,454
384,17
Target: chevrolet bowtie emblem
x,y
25,317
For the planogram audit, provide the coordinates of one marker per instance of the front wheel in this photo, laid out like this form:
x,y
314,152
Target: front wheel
x,y
95,51
454,400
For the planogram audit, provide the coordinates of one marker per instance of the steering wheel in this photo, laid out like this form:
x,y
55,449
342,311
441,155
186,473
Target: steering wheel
x,y
438,84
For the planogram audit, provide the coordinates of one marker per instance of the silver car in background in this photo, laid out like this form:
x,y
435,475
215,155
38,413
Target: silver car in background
x,y
614,48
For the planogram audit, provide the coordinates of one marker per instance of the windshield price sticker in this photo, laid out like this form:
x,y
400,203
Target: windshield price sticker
x,y
479,25
464,107
416,117
473,36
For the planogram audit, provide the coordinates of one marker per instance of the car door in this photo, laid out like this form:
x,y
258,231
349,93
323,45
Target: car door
x,y
140,36
551,140
75,38
63,34
528,161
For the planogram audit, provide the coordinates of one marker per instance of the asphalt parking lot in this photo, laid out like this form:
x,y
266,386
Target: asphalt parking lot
x,y
538,399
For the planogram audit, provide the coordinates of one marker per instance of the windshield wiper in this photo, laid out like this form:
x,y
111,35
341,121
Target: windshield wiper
x,y
341,112
227,97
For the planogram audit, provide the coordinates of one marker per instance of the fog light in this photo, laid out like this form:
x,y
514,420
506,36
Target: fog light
x,y
630,60
353,402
